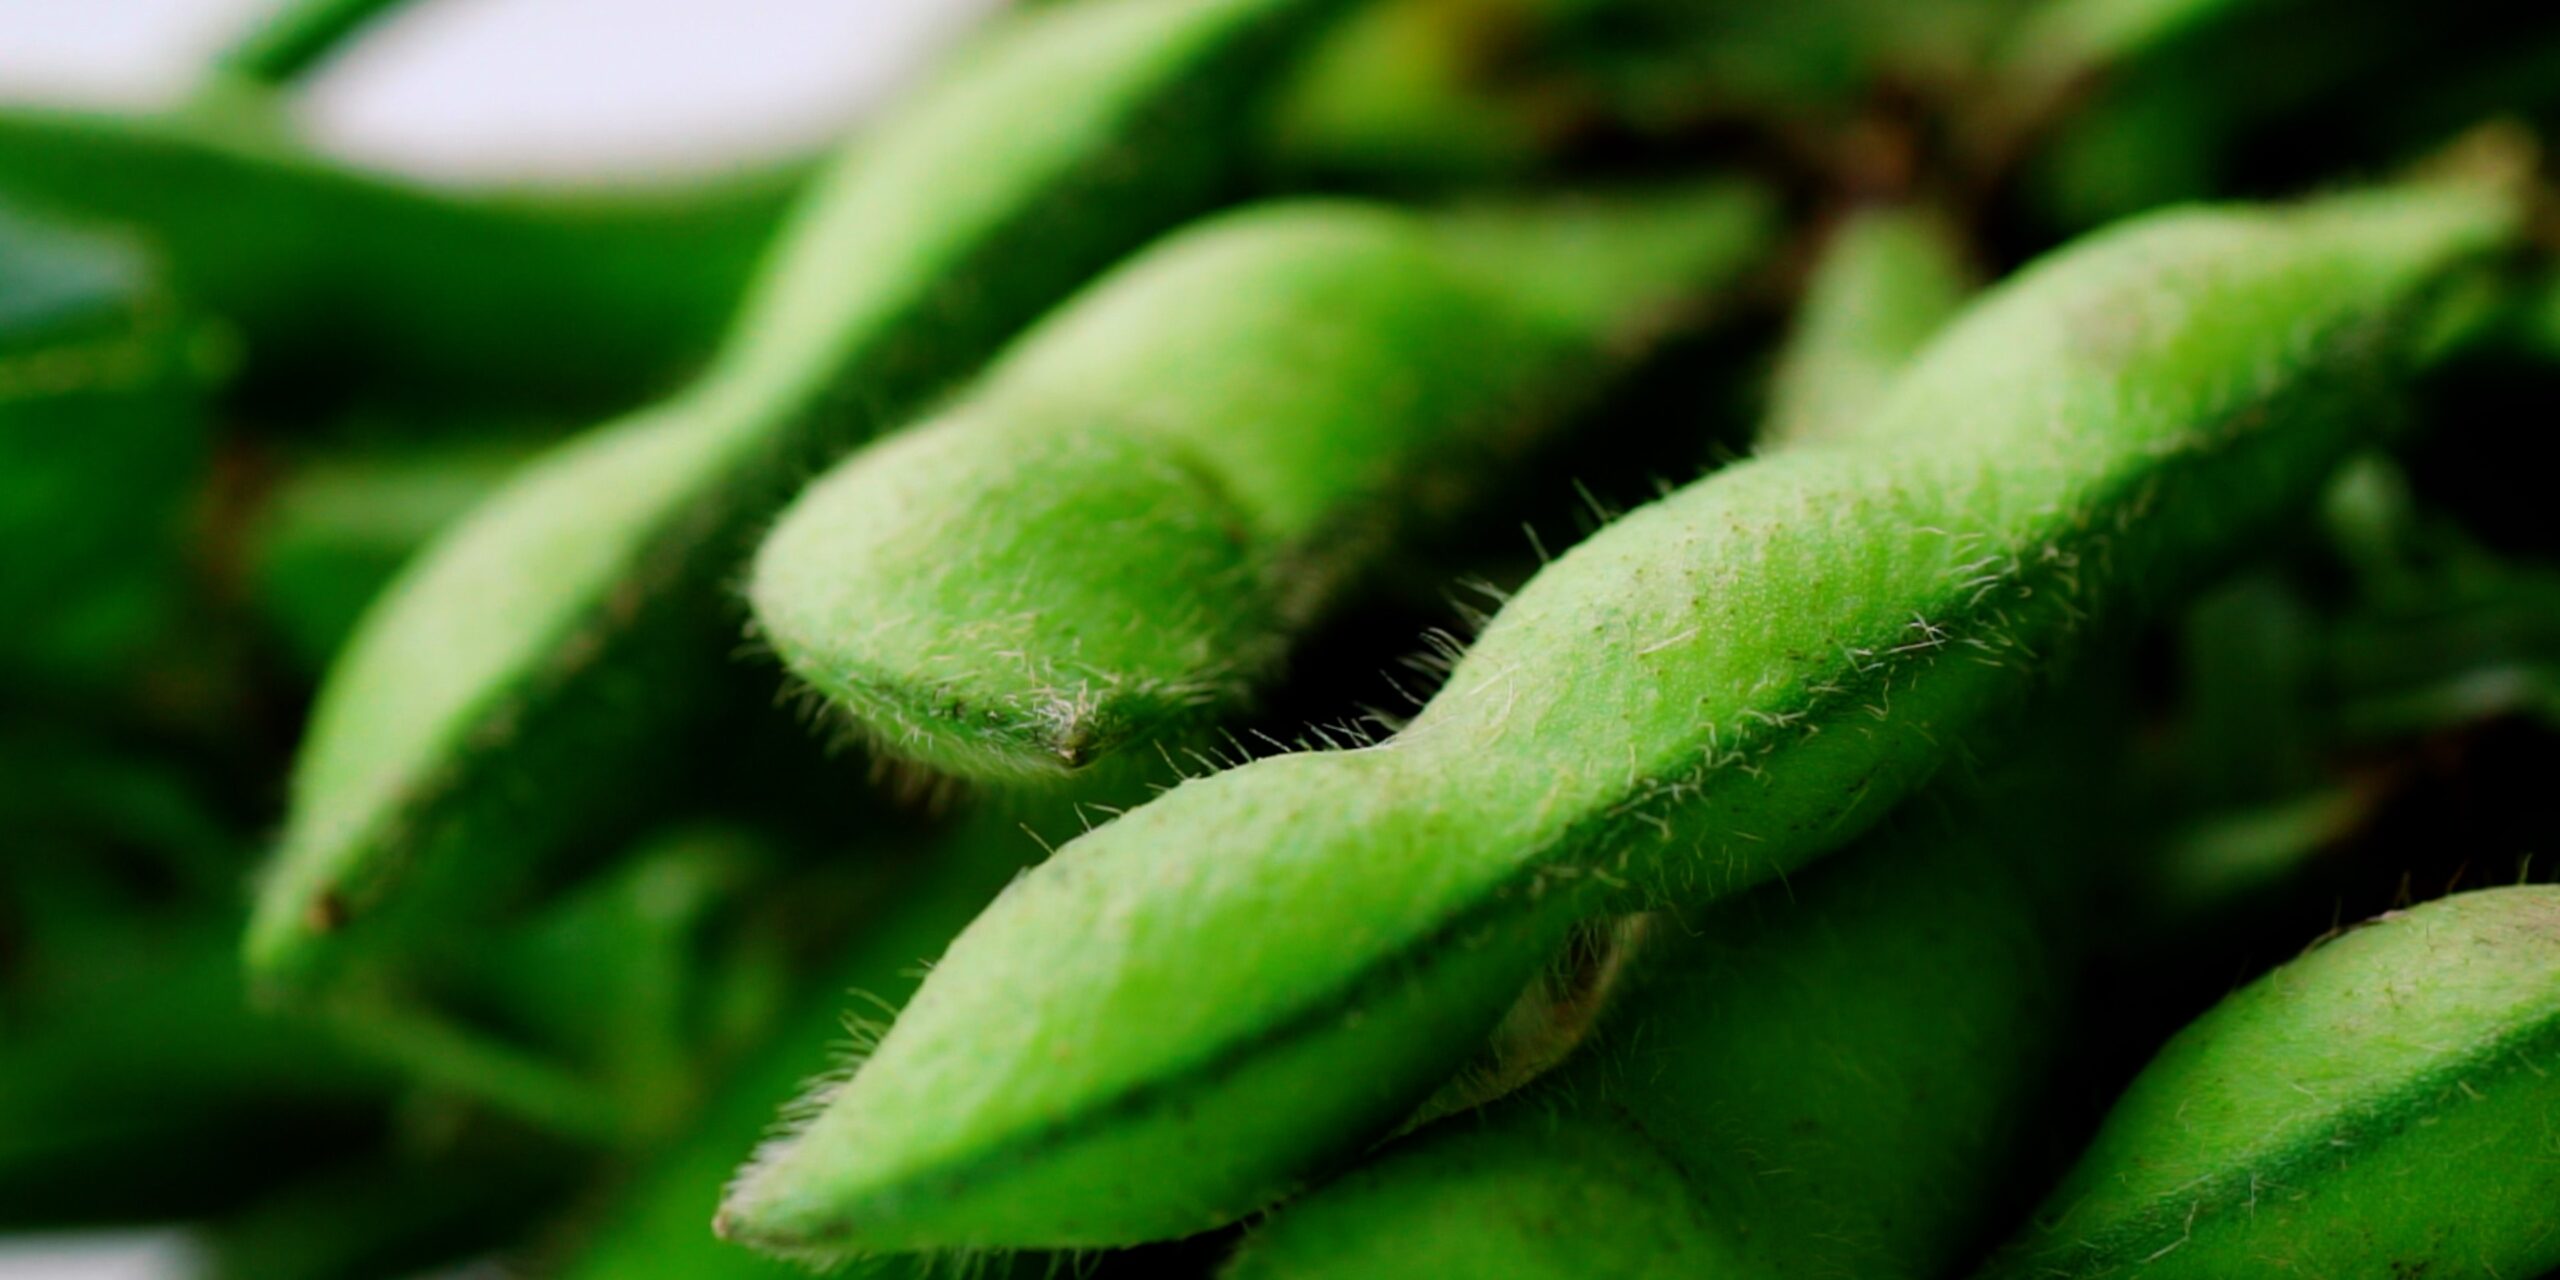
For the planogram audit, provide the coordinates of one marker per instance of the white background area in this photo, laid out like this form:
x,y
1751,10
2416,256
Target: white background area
x,y
515,90
472,91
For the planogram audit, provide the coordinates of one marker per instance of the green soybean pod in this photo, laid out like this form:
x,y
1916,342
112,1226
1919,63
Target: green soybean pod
x,y
537,656
2380,1106
1713,691
1933,955
1888,279
338,528
1411,92
1114,536
1829,1078
2064,44
340,279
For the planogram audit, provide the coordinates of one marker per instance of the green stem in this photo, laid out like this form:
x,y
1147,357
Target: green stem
x,y
287,44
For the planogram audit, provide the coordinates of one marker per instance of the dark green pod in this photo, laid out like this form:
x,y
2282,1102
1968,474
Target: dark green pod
x,y
1711,692
533,661
337,278
1115,535
1406,93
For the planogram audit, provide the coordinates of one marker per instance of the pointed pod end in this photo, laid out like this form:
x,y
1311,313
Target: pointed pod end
x,y
293,931
948,591
1026,737
765,1209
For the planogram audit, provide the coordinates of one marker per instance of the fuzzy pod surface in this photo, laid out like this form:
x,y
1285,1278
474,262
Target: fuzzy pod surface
x,y
1407,93
2382,1106
533,662
1714,690
1116,534
346,279
1827,1078
1712,1127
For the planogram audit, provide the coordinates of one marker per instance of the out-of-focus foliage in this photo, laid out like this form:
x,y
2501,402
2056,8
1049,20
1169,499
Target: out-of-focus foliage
x,y
241,386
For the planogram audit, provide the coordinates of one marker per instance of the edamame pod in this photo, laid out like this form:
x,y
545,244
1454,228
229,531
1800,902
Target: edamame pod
x,y
337,529
1888,280
528,665
1115,536
1407,92
1828,1078
1649,1153
2188,93
341,279
1713,691
2381,1106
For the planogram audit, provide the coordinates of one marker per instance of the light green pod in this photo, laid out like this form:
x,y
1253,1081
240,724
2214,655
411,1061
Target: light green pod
x,y
338,528
1114,537
1711,692
1826,1079
2383,1106
2064,44
534,660
1887,281
1713,1126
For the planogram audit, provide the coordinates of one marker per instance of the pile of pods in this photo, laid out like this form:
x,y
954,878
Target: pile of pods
x,y
1314,638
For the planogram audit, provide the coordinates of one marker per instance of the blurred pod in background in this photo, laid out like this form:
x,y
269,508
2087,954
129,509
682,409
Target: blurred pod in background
x,y
103,445
1407,94
345,284
2132,104
336,528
